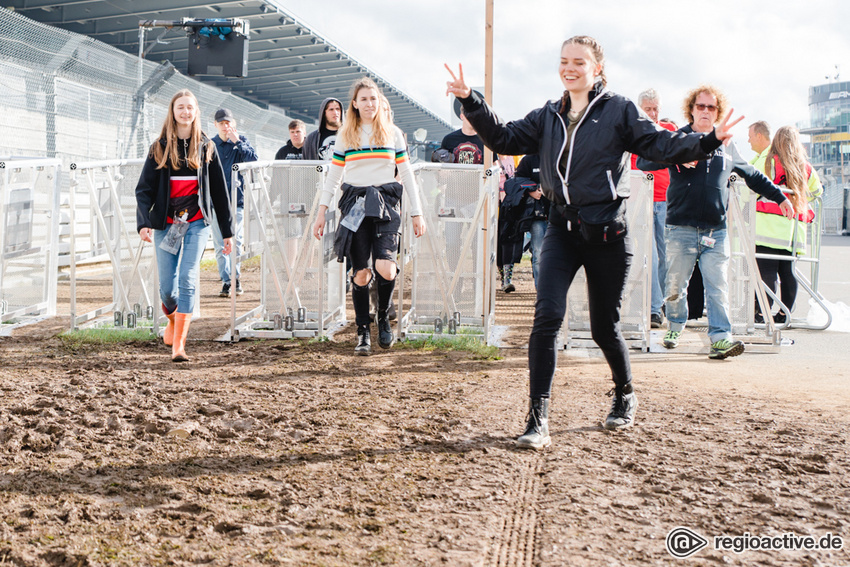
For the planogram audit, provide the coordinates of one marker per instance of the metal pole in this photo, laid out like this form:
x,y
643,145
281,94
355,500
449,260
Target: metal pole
x,y
488,70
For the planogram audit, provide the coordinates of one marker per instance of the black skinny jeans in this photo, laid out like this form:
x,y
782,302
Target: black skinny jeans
x,y
607,268
782,270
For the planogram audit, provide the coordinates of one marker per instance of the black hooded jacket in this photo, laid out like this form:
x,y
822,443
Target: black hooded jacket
x,y
311,143
598,156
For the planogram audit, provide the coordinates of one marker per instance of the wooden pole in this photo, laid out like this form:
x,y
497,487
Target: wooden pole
x,y
488,69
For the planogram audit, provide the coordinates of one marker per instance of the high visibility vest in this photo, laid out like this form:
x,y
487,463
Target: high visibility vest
x,y
776,231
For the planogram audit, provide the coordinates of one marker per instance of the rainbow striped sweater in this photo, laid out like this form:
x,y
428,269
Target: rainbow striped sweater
x,y
365,166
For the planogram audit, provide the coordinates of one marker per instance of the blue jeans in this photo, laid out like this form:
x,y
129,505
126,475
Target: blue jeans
x,y
178,273
218,241
684,247
659,257
537,230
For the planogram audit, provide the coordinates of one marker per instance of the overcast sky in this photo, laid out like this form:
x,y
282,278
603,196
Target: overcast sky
x,y
763,55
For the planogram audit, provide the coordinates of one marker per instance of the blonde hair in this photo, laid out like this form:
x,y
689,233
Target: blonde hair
x,y
691,99
788,150
170,155
382,128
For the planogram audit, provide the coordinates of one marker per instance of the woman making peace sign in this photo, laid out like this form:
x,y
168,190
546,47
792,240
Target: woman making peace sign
x,y
583,141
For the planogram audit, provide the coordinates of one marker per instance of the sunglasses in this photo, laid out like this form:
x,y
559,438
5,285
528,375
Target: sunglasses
x,y
708,107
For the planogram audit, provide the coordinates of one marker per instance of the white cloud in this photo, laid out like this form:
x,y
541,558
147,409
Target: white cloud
x,y
764,55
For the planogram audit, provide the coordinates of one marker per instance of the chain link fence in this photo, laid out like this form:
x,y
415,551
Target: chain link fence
x,y
78,99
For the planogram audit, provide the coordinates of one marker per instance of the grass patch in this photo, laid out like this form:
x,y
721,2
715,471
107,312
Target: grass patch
x,y
209,263
469,344
81,337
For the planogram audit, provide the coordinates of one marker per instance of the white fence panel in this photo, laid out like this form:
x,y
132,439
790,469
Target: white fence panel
x,y
106,224
29,233
635,309
452,267
302,286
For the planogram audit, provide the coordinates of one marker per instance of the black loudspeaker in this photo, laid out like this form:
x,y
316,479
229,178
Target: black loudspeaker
x,y
212,55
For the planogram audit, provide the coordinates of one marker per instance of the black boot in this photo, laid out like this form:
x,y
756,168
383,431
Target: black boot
x,y
386,339
536,434
364,341
623,407
507,284
360,299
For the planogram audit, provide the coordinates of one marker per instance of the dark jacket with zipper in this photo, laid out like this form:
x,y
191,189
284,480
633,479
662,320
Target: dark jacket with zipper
x,y
598,156
153,193
699,196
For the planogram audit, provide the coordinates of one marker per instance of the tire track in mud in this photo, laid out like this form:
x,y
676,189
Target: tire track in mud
x,y
516,541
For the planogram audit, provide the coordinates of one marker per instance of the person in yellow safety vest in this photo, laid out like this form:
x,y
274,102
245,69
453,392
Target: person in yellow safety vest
x,y
787,166
758,136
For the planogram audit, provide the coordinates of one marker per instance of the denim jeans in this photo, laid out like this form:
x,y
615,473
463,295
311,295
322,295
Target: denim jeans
x,y
537,230
659,256
222,259
684,246
606,267
178,273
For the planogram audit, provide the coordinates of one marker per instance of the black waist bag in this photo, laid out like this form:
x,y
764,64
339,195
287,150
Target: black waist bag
x,y
613,230
602,223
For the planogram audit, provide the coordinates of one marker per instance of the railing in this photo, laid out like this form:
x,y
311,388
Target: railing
x,y
29,236
635,308
102,202
452,268
302,286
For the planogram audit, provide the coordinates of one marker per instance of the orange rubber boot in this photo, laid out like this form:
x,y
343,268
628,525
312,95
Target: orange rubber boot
x,y
181,331
168,334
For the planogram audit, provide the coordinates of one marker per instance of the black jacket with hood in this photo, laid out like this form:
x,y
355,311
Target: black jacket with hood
x,y
598,156
699,196
311,143
153,192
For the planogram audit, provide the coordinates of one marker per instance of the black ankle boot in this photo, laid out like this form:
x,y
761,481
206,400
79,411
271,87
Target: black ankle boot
x,y
536,434
364,341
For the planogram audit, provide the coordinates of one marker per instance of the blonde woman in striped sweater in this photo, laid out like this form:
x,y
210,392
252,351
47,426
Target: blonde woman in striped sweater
x,y
368,149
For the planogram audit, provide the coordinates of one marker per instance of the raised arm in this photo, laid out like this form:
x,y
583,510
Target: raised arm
x,y
517,137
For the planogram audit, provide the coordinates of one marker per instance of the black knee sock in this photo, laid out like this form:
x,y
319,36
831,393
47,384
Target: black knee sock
x,y
360,299
542,358
385,294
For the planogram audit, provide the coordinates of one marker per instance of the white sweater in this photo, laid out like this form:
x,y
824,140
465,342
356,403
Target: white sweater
x,y
372,166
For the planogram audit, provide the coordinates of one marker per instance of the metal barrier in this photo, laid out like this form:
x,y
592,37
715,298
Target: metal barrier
x,y
302,286
635,308
452,268
811,257
104,221
29,236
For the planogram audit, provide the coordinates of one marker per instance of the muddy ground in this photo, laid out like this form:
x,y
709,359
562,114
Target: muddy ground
x,y
299,453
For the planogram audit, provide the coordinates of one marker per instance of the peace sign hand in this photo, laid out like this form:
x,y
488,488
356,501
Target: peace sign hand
x,y
457,86
723,130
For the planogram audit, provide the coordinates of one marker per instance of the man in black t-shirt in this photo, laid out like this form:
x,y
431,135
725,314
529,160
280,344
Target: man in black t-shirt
x,y
320,143
464,144
295,146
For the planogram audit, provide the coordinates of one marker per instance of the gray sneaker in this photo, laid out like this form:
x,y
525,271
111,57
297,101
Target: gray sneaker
x,y
671,339
623,407
725,349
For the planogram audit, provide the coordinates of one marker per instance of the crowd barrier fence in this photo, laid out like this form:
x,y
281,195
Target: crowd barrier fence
x,y
452,267
29,237
635,308
102,202
302,286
